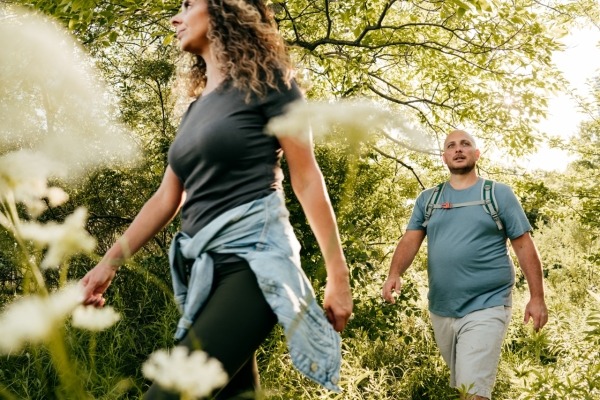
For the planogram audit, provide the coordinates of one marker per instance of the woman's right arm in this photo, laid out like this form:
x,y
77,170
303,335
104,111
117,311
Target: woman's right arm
x,y
158,211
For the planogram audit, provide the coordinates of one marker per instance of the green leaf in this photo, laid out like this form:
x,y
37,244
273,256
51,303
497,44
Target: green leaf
x,y
466,6
168,39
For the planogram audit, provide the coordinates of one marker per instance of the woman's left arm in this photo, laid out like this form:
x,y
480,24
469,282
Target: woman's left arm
x,y
309,186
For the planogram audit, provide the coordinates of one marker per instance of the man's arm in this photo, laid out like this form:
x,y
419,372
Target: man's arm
x,y
530,263
405,253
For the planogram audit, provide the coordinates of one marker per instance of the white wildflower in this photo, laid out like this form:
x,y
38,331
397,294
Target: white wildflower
x,y
63,240
94,319
32,319
357,120
195,375
24,174
53,101
56,196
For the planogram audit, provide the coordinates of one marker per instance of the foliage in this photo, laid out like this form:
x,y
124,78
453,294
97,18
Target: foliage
x,y
476,64
453,63
103,22
579,186
562,361
357,172
481,64
585,183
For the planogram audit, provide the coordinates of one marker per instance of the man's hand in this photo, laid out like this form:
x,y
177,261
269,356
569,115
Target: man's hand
x,y
391,285
536,310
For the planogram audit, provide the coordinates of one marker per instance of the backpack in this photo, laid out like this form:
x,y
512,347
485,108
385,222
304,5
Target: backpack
x,y
488,201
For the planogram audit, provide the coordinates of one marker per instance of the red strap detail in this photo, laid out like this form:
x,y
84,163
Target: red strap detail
x,y
446,205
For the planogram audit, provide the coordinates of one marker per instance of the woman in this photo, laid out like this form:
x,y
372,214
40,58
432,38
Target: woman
x,y
235,264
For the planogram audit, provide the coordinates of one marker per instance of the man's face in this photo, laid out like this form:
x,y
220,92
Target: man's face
x,y
460,153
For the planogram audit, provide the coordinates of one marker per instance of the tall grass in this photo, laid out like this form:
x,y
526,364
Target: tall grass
x,y
388,350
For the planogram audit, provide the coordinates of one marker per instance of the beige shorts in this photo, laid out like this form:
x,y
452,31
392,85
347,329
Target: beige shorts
x,y
471,347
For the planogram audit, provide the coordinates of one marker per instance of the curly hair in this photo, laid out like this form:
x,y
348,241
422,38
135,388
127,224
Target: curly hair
x,y
247,47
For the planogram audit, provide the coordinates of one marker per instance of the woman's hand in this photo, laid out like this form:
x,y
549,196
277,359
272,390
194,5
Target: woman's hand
x,y
309,187
338,300
95,283
157,212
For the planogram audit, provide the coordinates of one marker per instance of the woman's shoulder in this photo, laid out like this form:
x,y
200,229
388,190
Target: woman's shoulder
x,y
277,98
284,85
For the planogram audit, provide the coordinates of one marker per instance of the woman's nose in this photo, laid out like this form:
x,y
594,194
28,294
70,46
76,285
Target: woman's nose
x,y
175,20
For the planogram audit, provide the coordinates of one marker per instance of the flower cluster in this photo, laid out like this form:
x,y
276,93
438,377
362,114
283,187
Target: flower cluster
x,y
23,179
192,374
32,319
63,240
95,319
53,104
357,120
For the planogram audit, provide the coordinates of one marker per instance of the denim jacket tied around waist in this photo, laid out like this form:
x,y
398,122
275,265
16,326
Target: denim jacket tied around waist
x,y
260,233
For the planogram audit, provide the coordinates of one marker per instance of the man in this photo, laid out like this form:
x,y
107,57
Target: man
x,y
470,272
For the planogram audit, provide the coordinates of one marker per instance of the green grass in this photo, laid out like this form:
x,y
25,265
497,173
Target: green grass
x,y
388,350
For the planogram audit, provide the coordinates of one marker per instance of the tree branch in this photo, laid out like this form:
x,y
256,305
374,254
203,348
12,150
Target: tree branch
x,y
411,169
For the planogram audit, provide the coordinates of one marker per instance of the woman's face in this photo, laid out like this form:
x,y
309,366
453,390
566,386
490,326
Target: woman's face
x,y
192,24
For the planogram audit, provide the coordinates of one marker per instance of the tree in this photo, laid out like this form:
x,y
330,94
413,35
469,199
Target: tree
x,y
580,185
585,182
482,64
452,63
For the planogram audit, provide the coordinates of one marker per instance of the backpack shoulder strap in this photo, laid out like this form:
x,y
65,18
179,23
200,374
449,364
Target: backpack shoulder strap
x,y
433,198
490,205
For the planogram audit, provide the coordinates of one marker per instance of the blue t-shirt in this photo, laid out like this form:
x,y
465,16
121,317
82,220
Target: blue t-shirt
x,y
469,266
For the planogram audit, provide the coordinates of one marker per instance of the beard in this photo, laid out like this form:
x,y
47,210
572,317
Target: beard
x,y
462,170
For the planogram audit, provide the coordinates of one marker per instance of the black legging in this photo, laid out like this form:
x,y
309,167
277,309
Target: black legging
x,y
233,323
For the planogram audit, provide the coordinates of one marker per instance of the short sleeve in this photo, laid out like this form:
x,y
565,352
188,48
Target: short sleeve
x,y
276,101
418,214
511,212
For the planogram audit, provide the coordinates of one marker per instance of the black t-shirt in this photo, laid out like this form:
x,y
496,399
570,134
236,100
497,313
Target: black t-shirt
x,y
222,154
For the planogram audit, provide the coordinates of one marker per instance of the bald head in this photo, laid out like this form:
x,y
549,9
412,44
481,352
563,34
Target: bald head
x,y
458,135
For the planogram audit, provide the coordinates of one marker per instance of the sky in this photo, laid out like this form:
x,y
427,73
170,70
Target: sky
x,y
580,61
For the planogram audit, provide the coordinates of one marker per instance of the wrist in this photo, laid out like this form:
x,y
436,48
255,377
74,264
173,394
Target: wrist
x,y
114,266
116,255
394,274
339,273
111,261
109,265
335,260
536,293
